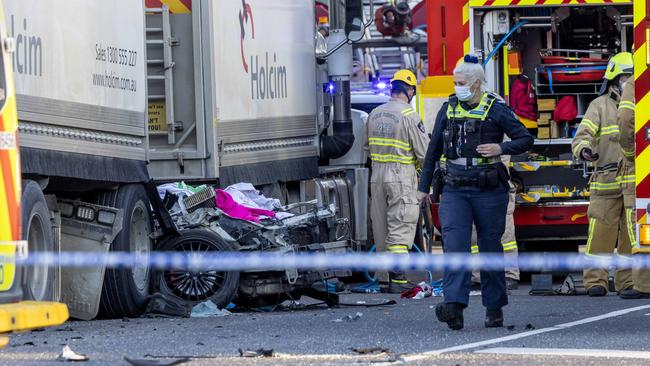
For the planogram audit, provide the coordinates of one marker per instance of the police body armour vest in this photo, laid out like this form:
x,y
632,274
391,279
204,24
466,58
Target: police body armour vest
x,y
467,129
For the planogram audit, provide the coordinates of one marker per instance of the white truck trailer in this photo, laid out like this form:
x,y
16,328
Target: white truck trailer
x,y
234,93
79,70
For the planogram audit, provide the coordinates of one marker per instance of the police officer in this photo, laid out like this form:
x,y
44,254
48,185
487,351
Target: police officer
x,y
597,141
397,142
469,131
626,111
508,241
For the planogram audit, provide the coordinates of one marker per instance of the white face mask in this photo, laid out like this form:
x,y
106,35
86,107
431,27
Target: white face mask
x,y
463,93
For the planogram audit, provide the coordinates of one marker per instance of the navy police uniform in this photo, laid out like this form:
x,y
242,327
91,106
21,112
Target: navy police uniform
x,y
475,188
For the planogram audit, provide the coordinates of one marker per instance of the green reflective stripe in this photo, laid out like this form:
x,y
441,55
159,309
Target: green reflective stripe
x,y
480,112
627,105
474,249
589,124
401,282
390,158
599,184
398,249
630,178
631,226
509,245
581,145
408,112
590,235
609,130
595,186
377,141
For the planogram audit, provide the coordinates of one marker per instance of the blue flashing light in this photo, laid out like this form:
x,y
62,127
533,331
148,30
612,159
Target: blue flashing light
x,y
381,85
331,88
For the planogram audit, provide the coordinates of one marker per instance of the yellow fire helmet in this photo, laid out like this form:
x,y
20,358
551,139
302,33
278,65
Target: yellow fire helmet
x,y
407,76
621,63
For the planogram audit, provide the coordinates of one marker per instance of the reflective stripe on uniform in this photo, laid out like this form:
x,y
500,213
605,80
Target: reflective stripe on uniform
x,y
626,105
401,282
589,124
390,158
398,249
630,221
598,186
609,130
630,178
629,153
480,112
581,145
408,112
511,245
399,144
590,235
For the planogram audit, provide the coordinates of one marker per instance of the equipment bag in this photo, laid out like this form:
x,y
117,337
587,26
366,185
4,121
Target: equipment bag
x,y
523,99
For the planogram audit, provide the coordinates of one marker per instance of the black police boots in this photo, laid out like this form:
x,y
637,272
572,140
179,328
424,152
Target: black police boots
x,y
493,318
450,313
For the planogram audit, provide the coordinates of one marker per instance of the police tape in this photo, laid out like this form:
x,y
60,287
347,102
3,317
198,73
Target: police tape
x,y
267,261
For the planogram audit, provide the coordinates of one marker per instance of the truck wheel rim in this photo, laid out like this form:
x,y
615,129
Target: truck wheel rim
x,y
140,245
194,286
37,279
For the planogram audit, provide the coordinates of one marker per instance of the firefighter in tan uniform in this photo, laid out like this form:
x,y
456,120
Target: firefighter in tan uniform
x,y
397,142
597,141
640,277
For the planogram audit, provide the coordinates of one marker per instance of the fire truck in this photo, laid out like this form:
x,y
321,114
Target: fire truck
x,y
561,46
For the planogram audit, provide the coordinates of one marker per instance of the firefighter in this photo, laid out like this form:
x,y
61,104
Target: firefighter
x,y
640,277
397,142
597,141
469,132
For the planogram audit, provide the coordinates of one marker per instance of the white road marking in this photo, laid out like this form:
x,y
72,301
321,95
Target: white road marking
x,y
567,352
462,347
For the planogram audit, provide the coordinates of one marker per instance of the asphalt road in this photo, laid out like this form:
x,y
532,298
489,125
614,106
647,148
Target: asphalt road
x,y
542,331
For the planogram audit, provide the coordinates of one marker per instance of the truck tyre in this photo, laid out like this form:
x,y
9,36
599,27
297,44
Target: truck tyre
x,y
125,291
218,286
37,230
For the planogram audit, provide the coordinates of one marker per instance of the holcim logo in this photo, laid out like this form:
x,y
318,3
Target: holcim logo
x,y
245,15
267,81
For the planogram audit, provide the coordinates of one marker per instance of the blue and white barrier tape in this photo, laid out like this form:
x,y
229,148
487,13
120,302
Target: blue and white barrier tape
x,y
241,261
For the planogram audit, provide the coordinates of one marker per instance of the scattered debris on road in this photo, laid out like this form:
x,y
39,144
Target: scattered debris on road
x,y
260,352
23,344
69,355
370,350
348,318
173,362
208,309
